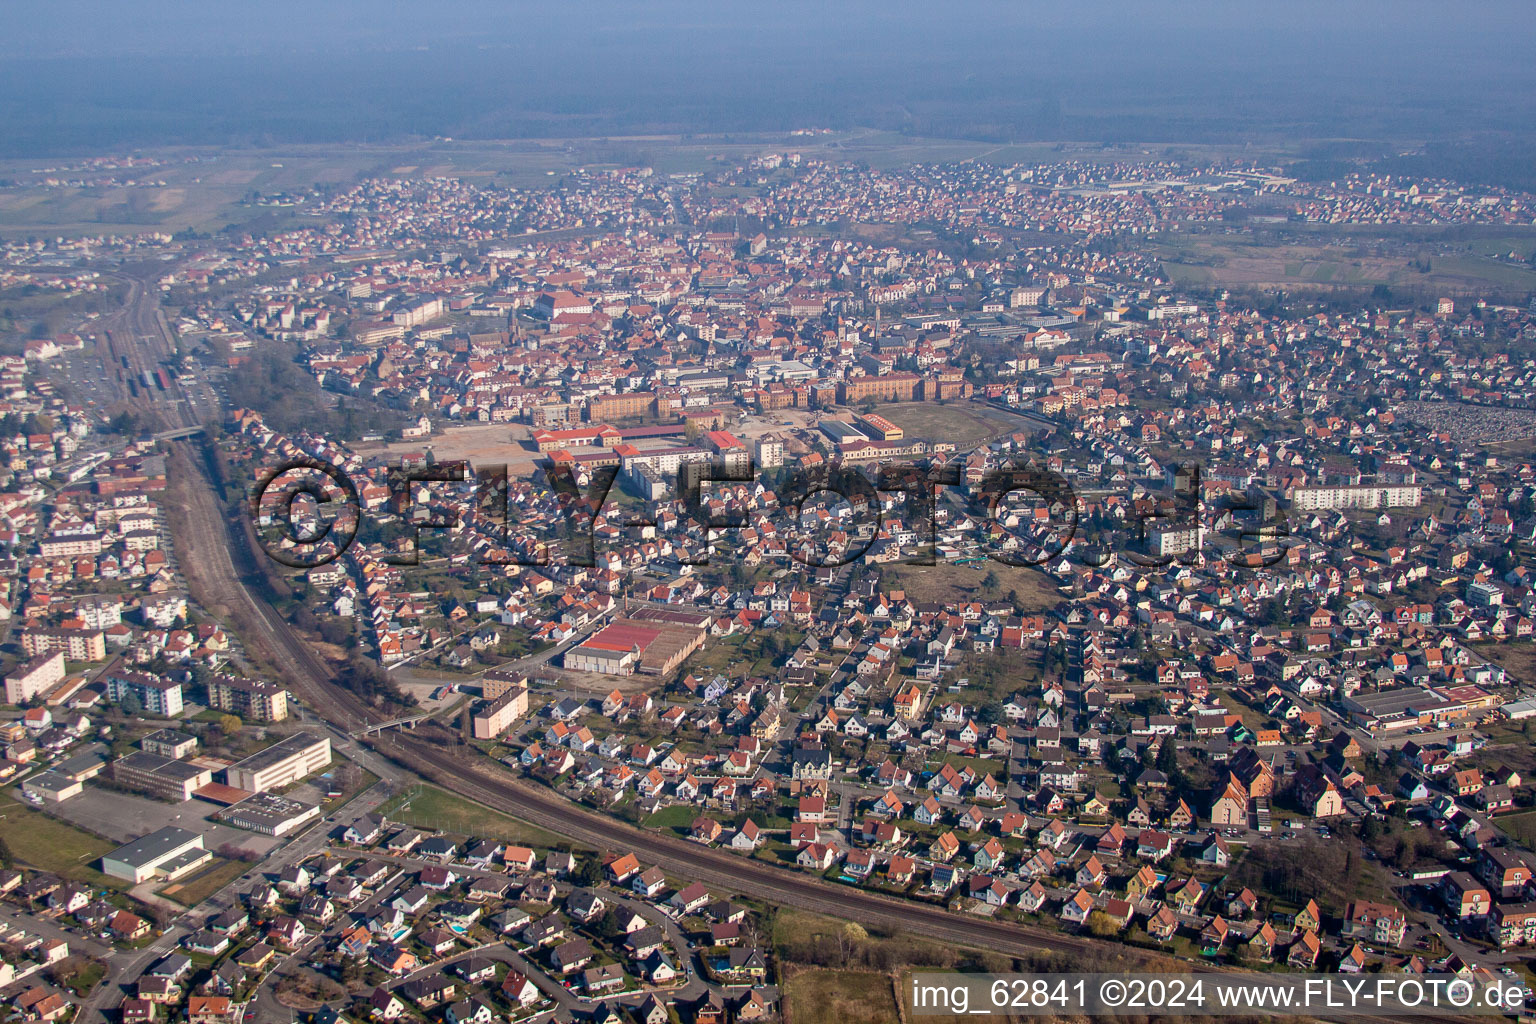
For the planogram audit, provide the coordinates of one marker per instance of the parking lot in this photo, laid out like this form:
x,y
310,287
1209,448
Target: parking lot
x,y
123,816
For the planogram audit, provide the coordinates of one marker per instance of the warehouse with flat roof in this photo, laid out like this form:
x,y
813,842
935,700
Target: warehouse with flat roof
x,y
1401,708
1519,710
648,641
269,814
169,853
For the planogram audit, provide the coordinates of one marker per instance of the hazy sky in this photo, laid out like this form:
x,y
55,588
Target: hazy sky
x,y
78,75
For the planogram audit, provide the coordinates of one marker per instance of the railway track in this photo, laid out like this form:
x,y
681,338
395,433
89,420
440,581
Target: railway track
x,y
724,870
735,874
476,779
217,543
220,541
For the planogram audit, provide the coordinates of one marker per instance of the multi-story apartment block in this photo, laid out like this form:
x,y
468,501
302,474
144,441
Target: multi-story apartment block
x,y
252,699
496,717
156,694
77,643
38,675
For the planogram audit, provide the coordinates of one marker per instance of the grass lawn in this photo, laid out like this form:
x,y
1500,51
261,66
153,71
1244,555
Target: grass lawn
x,y
1251,718
789,924
429,807
676,817
995,676
740,655
362,780
47,844
1508,746
80,976
774,852
192,891
839,997
979,765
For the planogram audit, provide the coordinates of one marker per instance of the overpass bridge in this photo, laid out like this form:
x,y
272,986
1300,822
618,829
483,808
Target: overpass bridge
x,y
178,433
396,723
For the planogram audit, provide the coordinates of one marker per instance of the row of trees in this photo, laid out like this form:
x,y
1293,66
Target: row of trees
x,y
368,679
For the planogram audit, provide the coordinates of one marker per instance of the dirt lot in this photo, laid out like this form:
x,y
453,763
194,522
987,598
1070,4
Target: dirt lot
x,y
751,427
929,421
957,583
483,444
597,684
839,997
1517,659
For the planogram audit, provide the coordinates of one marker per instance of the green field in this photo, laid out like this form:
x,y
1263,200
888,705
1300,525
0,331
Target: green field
x,y
80,975
677,817
979,765
192,891
1187,275
1477,269
431,808
839,997
1251,718
38,841
1509,746
1519,660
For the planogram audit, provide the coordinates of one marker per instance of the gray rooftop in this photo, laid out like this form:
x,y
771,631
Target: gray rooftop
x,y
278,752
147,850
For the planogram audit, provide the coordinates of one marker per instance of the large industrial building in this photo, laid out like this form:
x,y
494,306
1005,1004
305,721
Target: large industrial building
x,y
269,814
1403,707
169,853
650,640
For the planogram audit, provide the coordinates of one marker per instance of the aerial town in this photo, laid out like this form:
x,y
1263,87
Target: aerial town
x,y
649,596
